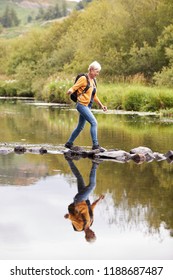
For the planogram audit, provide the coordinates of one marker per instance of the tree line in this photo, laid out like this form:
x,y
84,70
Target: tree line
x,y
52,12
10,18
129,38
57,11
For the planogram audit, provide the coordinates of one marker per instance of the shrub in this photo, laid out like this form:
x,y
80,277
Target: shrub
x,y
134,99
2,91
164,78
152,102
10,88
55,91
166,98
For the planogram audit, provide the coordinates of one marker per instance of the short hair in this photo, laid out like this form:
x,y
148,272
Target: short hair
x,y
95,65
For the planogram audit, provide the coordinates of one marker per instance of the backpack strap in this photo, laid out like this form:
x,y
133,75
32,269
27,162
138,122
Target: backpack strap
x,y
95,82
88,83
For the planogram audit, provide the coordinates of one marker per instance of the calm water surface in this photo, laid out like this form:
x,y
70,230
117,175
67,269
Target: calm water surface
x,y
133,221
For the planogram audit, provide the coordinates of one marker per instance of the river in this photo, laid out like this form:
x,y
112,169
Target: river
x,y
134,220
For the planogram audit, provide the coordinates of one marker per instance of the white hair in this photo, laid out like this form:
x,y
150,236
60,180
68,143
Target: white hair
x,y
95,65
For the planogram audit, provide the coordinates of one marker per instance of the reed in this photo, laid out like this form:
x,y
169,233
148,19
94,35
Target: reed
x,y
136,97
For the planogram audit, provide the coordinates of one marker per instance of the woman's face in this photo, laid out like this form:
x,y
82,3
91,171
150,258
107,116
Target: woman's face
x,y
94,72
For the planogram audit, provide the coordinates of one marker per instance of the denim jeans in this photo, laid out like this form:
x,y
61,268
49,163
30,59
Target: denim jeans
x,y
85,114
83,190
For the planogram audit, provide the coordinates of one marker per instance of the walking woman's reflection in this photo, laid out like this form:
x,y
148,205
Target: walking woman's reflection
x,y
81,210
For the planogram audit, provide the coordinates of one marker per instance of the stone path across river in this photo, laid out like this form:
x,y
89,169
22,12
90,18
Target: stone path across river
x,y
138,155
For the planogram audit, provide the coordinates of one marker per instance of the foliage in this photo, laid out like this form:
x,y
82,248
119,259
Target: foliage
x,y
135,97
55,91
129,38
167,113
165,43
82,4
165,77
52,12
2,91
9,18
11,88
4,50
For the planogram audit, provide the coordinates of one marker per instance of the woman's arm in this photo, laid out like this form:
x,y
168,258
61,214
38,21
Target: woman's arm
x,y
97,100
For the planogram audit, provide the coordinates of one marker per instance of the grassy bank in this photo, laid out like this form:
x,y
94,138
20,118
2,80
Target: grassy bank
x,y
122,96
136,97
131,97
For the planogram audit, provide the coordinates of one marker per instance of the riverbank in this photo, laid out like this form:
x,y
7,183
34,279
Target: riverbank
x,y
117,96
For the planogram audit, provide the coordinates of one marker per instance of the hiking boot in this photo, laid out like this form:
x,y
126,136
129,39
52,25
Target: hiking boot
x,y
68,145
97,147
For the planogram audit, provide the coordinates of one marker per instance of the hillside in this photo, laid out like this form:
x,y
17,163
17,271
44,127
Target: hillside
x,y
30,8
131,46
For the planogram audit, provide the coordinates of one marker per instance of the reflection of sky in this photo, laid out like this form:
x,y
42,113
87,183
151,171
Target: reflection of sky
x,y
32,226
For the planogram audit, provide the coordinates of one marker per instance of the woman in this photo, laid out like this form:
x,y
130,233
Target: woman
x,y
81,211
84,103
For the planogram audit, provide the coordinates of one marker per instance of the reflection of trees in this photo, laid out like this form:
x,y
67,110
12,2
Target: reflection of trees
x,y
27,169
136,194
146,189
53,125
17,170
139,195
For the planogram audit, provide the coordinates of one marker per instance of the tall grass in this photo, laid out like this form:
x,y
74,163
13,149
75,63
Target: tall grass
x,y
136,97
121,96
55,91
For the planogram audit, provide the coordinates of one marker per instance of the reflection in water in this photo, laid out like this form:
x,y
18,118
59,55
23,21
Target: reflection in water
x,y
135,219
81,210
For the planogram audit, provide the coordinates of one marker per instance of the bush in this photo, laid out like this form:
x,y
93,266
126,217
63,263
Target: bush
x,y
134,99
164,78
152,102
10,88
55,91
166,98
25,94
2,91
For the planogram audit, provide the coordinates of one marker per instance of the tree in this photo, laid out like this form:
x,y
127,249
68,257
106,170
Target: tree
x,y
9,18
29,19
57,12
165,49
81,4
1,28
64,8
52,12
40,14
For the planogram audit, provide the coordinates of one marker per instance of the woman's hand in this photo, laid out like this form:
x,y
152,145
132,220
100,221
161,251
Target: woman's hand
x,y
101,197
104,108
69,92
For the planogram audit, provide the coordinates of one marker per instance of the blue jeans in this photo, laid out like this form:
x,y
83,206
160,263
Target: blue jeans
x,y
85,114
83,190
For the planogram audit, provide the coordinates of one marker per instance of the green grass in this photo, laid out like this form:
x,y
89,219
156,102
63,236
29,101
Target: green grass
x,y
135,97
129,97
